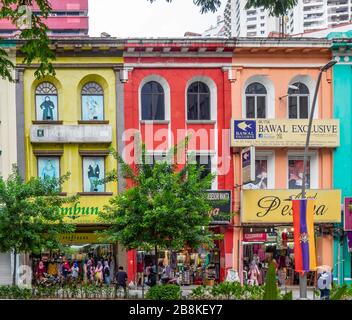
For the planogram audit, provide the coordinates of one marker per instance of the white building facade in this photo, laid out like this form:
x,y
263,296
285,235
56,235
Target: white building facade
x,y
307,16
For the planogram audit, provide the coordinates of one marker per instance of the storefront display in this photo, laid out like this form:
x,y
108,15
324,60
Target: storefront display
x,y
260,249
89,263
187,267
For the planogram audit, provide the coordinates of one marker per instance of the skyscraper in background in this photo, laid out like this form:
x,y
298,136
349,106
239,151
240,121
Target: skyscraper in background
x,y
68,18
308,15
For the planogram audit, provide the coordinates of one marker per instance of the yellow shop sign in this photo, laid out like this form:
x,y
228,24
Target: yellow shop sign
x,y
85,210
284,133
78,238
274,206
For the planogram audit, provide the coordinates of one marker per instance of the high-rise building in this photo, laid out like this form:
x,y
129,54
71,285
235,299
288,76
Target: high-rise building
x,y
307,15
254,22
216,31
67,18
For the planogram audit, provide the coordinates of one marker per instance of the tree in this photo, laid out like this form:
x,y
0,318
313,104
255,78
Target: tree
x,y
30,214
165,208
36,45
276,7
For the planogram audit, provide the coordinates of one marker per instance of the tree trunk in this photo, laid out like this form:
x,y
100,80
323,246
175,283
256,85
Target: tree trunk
x,y
14,267
156,263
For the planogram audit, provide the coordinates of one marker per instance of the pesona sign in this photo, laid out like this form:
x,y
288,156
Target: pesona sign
x,y
275,206
85,210
284,133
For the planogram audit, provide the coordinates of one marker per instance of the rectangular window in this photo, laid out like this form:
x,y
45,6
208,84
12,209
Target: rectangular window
x,y
261,107
48,167
46,106
303,107
93,171
92,107
250,103
295,172
261,172
292,108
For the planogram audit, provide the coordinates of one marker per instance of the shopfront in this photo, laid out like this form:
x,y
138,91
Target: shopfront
x,y
195,266
266,219
83,251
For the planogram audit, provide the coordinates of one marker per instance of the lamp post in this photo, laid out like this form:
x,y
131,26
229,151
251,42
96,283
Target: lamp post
x,y
303,278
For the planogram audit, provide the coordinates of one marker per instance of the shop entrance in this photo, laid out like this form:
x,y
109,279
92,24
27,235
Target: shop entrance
x,y
82,260
186,267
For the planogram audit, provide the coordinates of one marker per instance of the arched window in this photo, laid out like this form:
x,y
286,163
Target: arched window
x,y
46,102
92,102
298,101
153,101
256,100
198,101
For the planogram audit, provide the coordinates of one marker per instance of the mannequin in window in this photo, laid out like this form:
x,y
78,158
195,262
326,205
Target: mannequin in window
x,y
92,107
49,170
47,106
93,176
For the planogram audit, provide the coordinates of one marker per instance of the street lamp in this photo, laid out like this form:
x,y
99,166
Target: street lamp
x,y
303,278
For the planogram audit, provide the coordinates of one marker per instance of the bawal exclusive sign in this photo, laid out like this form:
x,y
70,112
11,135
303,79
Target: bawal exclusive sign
x,y
284,133
275,206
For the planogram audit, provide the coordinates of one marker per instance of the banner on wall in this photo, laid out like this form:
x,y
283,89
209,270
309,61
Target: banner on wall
x,y
85,210
275,205
348,214
284,133
248,164
220,201
254,237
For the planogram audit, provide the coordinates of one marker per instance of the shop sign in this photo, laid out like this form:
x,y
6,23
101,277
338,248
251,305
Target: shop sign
x,y
284,133
248,164
220,201
348,214
71,134
254,237
275,206
78,238
85,210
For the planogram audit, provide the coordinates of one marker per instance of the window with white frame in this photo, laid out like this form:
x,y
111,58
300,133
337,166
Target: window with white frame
x,y
264,171
256,96
48,167
295,172
198,101
153,101
93,172
298,101
46,102
92,96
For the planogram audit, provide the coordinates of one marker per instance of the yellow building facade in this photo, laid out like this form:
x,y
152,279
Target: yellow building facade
x,y
70,124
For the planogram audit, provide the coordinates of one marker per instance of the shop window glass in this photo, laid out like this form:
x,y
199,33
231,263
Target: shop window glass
x,y
261,174
46,102
298,101
198,101
295,172
153,101
256,101
92,102
93,172
48,167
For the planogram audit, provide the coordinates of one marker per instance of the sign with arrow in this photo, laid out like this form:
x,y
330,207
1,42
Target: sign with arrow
x,y
248,164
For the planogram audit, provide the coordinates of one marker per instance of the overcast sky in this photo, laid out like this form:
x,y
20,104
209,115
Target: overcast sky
x,y
140,18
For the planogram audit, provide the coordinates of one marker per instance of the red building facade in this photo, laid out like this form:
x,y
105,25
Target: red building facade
x,y
178,87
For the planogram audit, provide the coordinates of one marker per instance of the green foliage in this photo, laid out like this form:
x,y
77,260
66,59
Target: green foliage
x,y
35,43
164,292
271,291
287,296
339,293
14,292
228,291
30,215
276,8
165,207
